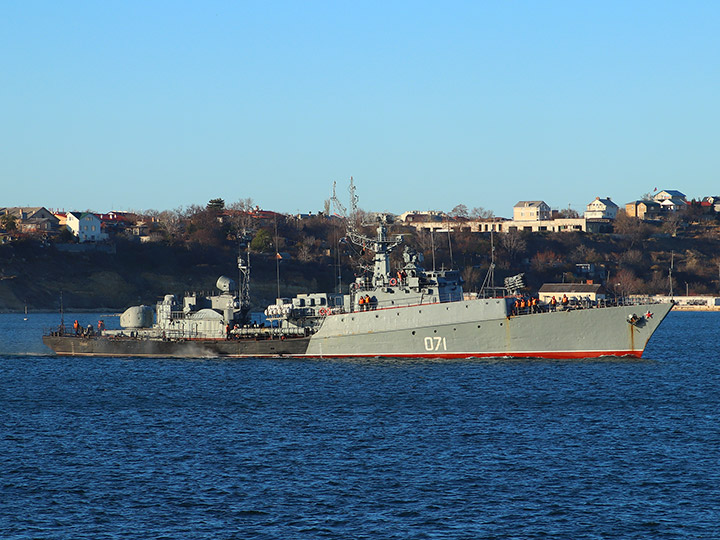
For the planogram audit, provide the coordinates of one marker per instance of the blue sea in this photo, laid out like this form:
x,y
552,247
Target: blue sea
x,y
480,449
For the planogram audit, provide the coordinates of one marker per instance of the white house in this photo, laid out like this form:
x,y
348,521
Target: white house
x,y
601,209
669,194
531,211
85,226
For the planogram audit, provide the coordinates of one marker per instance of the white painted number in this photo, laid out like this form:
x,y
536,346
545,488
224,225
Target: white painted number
x,y
435,343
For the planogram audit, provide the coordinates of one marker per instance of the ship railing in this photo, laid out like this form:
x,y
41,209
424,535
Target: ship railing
x,y
268,332
579,303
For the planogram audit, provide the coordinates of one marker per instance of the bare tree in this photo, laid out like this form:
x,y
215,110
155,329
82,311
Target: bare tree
x,y
514,243
460,211
568,213
672,224
242,214
471,276
480,213
627,283
633,228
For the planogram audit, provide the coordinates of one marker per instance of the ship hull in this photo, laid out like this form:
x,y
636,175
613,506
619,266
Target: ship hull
x,y
69,345
478,328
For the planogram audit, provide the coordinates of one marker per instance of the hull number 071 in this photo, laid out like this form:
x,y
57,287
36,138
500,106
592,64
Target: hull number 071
x,y
435,344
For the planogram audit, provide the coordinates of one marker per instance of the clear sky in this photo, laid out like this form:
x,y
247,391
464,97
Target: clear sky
x,y
149,104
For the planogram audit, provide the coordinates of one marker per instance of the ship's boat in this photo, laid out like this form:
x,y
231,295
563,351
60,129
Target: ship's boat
x,y
408,313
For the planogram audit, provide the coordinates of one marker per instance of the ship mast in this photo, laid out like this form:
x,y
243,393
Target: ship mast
x,y
243,272
380,244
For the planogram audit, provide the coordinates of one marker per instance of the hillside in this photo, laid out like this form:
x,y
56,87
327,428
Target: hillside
x,y
35,274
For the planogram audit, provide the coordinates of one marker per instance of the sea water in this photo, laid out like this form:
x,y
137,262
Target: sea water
x,y
104,448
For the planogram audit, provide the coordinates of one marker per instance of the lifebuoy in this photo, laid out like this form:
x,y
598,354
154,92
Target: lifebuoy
x,y
393,281
323,311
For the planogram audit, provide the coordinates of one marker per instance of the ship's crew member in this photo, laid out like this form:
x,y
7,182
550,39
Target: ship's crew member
x,y
367,302
553,304
361,303
76,327
565,301
522,304
534,305
515,307
101,327
227,331
373,302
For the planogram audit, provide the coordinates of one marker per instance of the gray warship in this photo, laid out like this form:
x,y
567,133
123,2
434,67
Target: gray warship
x,y
409,313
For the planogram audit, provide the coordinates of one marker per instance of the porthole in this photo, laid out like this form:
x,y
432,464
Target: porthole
x,y
434,331
413,332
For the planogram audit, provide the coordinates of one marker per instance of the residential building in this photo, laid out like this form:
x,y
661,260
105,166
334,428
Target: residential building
x,y
549,225
531,211
711,203
32,219
85,226
669,194
643,209
601,209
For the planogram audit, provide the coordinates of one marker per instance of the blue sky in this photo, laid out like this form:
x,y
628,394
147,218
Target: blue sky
x,y
139,105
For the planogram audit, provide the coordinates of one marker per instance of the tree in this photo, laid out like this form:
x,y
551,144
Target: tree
x,y
672,224
514,244
480,213
471,276
627,283
633,228
242,214
8,222
460,211
568,213
217,205
262,242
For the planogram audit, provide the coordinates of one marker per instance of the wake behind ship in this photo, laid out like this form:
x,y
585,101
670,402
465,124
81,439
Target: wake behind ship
x,y
409,313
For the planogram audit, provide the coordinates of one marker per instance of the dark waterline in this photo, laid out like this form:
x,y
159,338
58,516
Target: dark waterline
x,y
153,448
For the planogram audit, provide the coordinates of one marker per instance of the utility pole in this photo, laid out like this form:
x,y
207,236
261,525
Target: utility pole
x,y
672,265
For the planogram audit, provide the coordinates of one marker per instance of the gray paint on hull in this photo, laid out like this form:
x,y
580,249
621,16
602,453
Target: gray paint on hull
x,y
478,328
481,328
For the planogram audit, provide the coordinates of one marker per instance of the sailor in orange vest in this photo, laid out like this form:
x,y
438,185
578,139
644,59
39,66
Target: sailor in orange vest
x,y
367,302
553,304
361,303
565,301
76,327
534,303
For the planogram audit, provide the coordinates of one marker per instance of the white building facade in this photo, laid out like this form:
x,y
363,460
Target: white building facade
x,y
601,209
85,227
